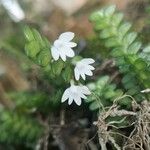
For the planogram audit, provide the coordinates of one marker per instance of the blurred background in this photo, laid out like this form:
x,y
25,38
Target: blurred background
x,y
50,17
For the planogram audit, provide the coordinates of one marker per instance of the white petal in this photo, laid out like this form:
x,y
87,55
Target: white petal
x,y
78,100
63,57
85,90
77,74
90,67
82,95
70,52
66,36
70,100
83,76
67,51
65,95
88,72
88,61
54,53
14,9
58,43
72,44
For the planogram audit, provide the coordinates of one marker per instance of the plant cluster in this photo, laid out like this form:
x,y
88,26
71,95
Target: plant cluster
x,y
66,74
130,57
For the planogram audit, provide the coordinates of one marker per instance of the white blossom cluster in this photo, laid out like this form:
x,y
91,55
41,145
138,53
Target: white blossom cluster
x,y
62,48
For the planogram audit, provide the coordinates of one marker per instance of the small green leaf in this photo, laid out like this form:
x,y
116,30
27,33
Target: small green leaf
x,y
37,35
140,64
96,15
32,49
103,80
44,58
117,53
67,74
129,38
109,10
116,19
146,49
94,106
134,48
127,78
28,34
91,86
123,29
57,67
106,33
112,42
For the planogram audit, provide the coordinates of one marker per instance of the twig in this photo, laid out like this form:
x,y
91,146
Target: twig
x,y
114,143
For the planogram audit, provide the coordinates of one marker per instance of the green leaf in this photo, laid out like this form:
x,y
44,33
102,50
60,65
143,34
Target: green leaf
x,y
116,19
109,10
112,42
94,106
123,29
107,33
134,48
28,34
127,78
57,67
32,49
146,49
129,38
67,74
117,53
140,64
44,58
37,35
96,15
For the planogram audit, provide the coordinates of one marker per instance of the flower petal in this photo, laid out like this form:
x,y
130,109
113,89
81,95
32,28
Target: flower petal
x,y
83,76
54,53
82,95
65,95
77,74
78,100
72,44
70,52
70,100
58,43
85,90
14,9
66,36
90,67
88,72
88,61
62,55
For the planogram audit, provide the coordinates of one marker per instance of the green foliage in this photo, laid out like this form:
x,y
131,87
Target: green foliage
x,y
18,128
37,47
125,48
28,102
103,93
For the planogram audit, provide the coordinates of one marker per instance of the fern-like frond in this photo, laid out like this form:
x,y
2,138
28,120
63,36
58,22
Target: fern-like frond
x,y
125,48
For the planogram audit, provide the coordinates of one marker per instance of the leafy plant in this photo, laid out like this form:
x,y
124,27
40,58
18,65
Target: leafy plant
x,y
38,49
18,128
125,48
103,93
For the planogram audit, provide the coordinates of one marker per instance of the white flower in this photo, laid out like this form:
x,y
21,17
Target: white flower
x,y
75,93
62,47
14,9
83,68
